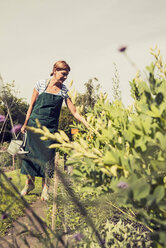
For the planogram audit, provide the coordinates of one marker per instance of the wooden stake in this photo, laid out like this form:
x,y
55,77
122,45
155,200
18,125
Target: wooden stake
x,y
13,159
54,210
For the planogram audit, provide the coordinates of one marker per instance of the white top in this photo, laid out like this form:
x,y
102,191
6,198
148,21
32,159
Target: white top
x,y
40,86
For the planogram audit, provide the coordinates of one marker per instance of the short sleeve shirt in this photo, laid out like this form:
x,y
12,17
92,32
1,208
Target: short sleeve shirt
x,y
40,86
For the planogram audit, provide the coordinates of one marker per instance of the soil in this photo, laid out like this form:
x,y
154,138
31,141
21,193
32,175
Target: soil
x,y
12,239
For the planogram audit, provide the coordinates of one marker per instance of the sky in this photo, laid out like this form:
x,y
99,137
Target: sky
x,y
85,33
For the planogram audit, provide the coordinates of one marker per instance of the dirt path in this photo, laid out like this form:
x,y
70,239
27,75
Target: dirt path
x,y
13,238
39,207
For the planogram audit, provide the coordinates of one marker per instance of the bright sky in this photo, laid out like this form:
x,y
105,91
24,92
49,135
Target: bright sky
x,y
85,33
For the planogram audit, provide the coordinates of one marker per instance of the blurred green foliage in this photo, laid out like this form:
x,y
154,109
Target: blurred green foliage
x,y
124,150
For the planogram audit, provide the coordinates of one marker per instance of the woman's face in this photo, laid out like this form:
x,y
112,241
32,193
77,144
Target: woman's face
x,y
60,75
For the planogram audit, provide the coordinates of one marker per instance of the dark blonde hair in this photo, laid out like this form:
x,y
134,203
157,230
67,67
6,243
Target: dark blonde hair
x,y
60,65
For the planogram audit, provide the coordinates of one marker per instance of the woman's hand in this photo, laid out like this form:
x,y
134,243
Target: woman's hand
x,y
75,113
23,129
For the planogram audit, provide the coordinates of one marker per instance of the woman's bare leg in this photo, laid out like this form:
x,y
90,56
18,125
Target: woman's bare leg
x,y
30,179
29,185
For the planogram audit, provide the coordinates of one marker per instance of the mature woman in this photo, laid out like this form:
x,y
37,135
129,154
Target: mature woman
x,y
46,102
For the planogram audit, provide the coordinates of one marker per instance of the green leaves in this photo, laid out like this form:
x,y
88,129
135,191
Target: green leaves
x,y
111,157
161,139
141,190
159,193
111,170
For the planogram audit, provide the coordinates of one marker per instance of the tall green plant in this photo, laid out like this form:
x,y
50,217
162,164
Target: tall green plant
x,y
125,149
116,85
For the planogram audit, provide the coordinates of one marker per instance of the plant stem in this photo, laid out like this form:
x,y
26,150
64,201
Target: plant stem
x,y
54,210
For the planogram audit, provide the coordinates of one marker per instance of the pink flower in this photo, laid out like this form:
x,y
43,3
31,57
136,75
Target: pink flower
x,y
122,49
123,185
2,118
16,128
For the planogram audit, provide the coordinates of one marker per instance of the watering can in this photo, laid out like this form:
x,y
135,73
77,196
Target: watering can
x,y
17,145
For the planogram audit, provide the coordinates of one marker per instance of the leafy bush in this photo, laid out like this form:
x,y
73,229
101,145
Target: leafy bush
x,y
115,228
117,235
13,108
125,149
6,159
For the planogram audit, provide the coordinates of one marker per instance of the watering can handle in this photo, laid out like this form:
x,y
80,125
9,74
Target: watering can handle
x,y
24,138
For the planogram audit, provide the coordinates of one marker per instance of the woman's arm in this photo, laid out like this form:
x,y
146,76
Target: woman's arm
x,y
75,113
33,100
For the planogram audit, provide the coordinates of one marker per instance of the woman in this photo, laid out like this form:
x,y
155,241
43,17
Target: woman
x,y
45,106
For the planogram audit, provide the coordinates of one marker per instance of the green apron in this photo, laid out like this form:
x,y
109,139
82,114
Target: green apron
x,y
39,162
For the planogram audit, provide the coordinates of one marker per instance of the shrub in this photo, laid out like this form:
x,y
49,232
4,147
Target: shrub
x,y
6,159
125,149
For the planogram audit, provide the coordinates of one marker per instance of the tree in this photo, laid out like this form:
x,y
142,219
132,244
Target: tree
x,y
89,98
17,107
66,119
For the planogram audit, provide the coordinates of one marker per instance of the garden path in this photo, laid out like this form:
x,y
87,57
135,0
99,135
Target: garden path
x,y
39,207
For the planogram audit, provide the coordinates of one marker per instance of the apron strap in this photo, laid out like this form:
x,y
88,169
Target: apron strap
x,y
47,83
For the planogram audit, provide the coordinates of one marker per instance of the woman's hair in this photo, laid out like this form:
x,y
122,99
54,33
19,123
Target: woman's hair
x,y
60,65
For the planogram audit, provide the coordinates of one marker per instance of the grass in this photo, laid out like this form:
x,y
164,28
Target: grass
x,y
111,221
69,219
10,205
